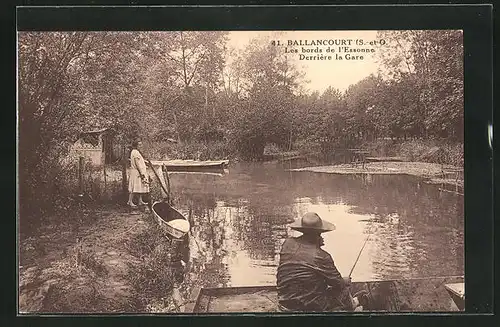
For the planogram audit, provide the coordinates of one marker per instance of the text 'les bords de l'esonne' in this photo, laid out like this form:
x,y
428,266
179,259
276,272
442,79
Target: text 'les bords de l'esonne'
x,y
329,49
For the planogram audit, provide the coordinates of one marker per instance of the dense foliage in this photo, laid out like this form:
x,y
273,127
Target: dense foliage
x,y
191,87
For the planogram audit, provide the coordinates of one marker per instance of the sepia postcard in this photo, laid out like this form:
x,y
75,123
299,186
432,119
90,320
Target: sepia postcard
x,y
281,171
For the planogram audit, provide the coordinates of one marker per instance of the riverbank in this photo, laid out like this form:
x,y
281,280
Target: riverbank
x,y
432,173
94,263
418,150
432,151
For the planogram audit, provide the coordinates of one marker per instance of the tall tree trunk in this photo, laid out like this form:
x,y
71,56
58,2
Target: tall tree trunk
x,y
176,127
124,171
184,68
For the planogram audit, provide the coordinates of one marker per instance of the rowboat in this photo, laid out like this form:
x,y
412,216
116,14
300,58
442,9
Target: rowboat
x,y
218,173
168,218
191,165
457,293
406,295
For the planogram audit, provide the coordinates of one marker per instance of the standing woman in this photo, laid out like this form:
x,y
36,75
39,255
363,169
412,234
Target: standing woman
x,y
138,182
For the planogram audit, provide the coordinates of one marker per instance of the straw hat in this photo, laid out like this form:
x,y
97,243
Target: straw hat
x,y
311,222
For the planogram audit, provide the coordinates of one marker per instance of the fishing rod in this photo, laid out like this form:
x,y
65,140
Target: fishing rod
x,y
359,254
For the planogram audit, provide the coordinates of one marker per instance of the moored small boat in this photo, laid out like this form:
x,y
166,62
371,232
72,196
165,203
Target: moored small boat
x,y
191,165
170,220
405,295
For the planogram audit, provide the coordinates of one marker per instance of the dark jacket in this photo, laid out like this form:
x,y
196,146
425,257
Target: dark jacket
x,y
307,278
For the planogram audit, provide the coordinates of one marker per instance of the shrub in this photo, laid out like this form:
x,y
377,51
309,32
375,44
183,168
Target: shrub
x,y
436,151
272,148
154,278
309,148
382,148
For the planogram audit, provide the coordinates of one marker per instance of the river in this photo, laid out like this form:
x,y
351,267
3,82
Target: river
x,y
240,221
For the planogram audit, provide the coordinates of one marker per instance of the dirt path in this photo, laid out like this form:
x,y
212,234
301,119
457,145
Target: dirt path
x,y
82,269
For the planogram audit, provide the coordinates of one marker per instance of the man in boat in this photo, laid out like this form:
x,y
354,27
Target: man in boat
x,y
307,279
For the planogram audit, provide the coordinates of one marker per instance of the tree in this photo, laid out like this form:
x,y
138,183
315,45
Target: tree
x,y
321,119
265,115
429,67
364,105
439,67
62,78
193,62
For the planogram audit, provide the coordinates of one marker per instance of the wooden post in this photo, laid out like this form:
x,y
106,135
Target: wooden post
x,y
91,182
104,170
124,171
176,127
80,175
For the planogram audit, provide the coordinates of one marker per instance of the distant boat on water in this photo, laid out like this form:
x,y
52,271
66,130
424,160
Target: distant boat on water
x,y
191,165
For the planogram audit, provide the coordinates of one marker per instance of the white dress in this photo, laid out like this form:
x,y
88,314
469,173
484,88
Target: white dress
x,y
135,183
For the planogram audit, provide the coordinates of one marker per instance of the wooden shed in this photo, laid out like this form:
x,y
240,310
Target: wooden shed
x,y
102,146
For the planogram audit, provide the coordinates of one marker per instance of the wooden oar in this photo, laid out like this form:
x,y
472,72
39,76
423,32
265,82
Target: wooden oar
x,y
165,172
158,177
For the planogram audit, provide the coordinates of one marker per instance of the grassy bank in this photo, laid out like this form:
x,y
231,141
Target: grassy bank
x,y
115,260
432,173
437,162
432,151
160,269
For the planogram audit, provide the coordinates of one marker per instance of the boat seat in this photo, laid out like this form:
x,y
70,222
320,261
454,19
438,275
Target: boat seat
x,y
457,289
457,294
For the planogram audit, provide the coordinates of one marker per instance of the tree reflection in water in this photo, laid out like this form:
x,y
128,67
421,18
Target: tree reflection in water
x,y
239,222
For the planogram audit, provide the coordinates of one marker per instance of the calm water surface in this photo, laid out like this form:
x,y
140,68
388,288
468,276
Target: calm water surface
x,y
240,221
